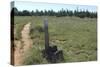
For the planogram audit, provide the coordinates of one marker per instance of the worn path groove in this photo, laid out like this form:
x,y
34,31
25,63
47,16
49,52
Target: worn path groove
x,y
22,45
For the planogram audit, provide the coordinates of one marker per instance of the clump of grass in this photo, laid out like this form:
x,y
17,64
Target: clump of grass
x,y
40,29
34,56
37,29
18,31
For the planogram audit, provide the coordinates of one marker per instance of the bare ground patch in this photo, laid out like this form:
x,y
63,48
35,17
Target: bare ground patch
x,y
22,45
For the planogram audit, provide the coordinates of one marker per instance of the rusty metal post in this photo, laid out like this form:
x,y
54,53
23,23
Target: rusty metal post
x,y
46,34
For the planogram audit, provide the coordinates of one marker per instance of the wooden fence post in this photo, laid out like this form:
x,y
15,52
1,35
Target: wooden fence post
x,y
46,34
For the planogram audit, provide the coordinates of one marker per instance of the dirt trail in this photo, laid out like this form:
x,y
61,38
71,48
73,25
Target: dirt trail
x,y
27,42
22,45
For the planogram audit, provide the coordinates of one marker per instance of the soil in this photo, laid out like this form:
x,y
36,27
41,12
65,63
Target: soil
x,y
22,45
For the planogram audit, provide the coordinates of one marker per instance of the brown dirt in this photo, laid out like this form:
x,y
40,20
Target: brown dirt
x,y
22,45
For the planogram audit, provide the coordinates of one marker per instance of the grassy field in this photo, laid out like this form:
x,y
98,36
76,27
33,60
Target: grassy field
x,y
75,36
19,22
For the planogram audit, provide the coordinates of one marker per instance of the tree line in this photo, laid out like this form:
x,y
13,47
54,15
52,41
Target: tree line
x,y
59,13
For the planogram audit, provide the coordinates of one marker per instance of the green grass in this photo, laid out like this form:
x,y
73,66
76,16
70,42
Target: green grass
x,y
19,22
34,56
75,36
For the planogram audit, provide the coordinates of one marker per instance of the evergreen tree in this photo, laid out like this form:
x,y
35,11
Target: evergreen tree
x,y
59,13
26,13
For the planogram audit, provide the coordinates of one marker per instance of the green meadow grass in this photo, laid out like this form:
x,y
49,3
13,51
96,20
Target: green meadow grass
x,y
19,22
77,37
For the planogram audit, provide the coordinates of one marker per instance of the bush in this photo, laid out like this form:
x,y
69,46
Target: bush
x,y
39,28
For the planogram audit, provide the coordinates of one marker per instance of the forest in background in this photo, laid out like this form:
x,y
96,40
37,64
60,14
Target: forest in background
x,y
60,13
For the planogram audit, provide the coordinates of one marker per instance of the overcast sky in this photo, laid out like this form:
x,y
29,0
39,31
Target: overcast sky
x,y
48,6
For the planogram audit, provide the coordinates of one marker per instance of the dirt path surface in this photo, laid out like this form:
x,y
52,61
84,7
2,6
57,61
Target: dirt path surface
x,y
22,45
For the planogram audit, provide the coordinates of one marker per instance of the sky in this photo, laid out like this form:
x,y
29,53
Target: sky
x,y
48,6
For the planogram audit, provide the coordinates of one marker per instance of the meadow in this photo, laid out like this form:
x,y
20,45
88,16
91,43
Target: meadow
x,y
77,37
